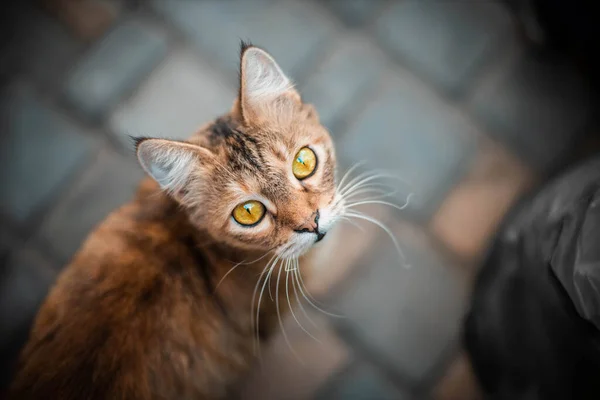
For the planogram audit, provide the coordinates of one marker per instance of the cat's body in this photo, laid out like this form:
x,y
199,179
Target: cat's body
x,y
147,308
136,314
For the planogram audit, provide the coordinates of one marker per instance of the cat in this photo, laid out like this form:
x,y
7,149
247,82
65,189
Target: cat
x,y
150,307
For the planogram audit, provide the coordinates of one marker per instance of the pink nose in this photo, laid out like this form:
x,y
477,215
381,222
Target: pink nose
x,y
311,224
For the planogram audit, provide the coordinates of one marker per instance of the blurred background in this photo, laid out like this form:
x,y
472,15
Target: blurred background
x,y
458,98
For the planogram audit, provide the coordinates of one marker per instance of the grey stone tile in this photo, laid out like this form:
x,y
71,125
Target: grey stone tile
x,y
180,96
337,87
407,317
109,182
39,151
25,278
361,381
410,133
293,32
537,108
39,47
114,67
443,40
354,12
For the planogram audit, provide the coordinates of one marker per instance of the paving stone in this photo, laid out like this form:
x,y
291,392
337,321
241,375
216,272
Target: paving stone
x,y
443,40
109,182
39,47
114,67
361,381
408,318
25,278
39,151
478,203
411,134
337,86
538,109
354,12
87,19
180,96
297,374
293,32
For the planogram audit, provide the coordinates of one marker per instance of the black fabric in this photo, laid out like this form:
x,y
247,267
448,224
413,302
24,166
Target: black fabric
x,y
533,331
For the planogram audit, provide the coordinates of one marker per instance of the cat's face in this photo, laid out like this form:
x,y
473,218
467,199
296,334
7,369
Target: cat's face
x,y
261,177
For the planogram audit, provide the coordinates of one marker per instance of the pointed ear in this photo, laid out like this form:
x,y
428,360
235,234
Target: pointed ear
x,y
170,163
263,85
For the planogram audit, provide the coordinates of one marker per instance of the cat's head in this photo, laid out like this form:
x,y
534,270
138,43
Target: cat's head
x,y
260,177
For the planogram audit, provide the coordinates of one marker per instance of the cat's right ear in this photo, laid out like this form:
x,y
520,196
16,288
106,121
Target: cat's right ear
x,y
265,92
170,163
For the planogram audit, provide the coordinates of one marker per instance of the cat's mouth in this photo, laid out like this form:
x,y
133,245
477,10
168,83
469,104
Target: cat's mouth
x,y
300,244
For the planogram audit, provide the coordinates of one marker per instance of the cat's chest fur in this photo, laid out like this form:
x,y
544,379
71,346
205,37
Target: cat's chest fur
x,y
138,315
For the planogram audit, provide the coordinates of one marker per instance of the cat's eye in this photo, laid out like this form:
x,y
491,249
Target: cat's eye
x,y
305,163
249,213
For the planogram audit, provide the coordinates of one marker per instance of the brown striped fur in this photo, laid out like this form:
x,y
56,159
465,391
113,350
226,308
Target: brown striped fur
x,y
138,314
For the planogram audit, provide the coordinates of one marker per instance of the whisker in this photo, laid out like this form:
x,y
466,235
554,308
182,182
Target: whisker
x,y
361,176
279,313
287,294
368,188
300,302
369,178
262,290
252,318
358,215
301,279
296,273
237,265
348,220
271,286
347,174
402,207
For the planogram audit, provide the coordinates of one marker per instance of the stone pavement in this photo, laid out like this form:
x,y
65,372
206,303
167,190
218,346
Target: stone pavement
x,y
443,93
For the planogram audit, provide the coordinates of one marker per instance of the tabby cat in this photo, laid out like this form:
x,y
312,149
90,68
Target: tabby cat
x,y
149,307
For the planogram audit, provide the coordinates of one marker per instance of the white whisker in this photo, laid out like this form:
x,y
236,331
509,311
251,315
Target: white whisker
x,y
287,276
279,313
300,302
296,273
358,215
256,320
348,220
237,265
364,180
402,207
347,174
269,278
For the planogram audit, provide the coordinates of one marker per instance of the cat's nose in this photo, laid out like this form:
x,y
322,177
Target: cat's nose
x,y
310,225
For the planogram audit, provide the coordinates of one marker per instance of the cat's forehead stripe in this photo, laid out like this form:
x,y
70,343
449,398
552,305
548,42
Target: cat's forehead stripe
x,y
242,149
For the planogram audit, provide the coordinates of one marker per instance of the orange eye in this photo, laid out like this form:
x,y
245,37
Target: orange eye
x,y
249,213
305,163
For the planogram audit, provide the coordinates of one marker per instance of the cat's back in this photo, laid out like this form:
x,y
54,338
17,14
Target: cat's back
x,y
130,317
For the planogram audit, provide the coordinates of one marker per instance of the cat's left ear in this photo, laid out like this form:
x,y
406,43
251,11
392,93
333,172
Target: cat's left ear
x,y
265,90
174,165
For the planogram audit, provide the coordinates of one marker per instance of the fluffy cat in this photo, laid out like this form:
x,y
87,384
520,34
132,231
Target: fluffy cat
x,y
147,309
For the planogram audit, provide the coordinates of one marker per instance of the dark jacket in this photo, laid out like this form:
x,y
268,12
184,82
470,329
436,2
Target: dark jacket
x,y
533,331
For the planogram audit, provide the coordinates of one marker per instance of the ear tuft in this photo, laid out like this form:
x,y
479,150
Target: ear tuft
x,y
168,162
244,45
136,140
